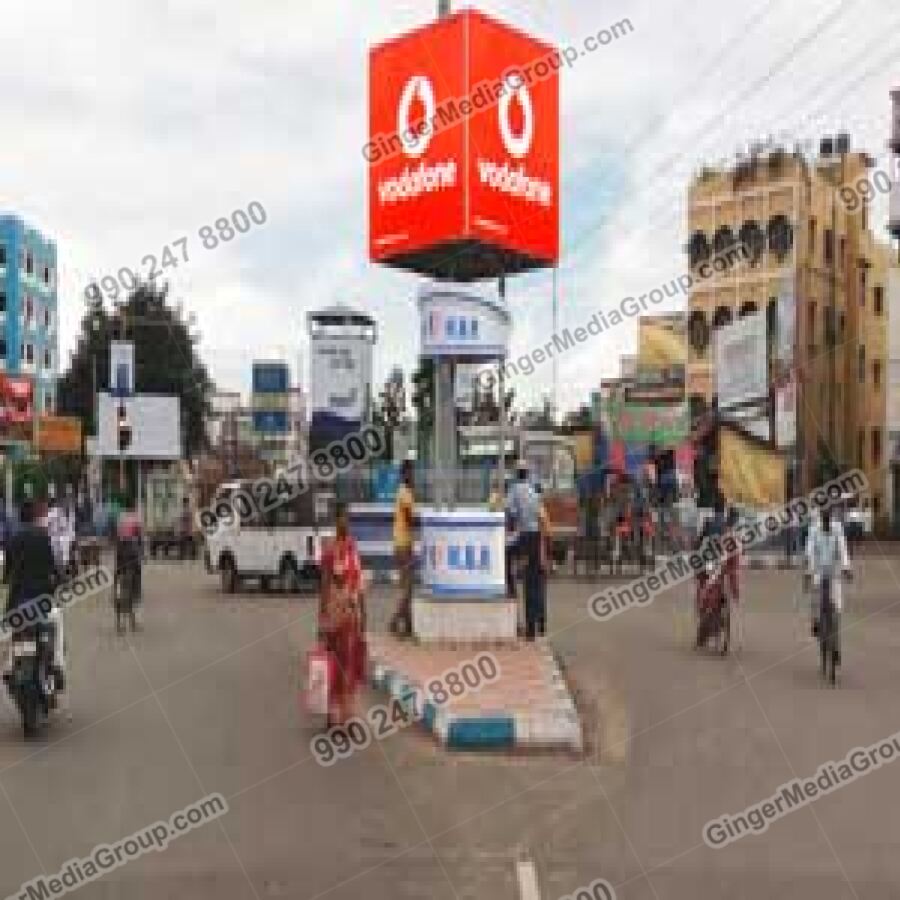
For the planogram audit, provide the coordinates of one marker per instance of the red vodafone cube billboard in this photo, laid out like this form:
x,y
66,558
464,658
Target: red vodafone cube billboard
x,y
463,150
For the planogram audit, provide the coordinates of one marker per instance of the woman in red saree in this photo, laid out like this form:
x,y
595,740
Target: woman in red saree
x,y
342,618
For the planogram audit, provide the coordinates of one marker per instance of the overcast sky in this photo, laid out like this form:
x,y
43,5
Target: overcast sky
x,y
129,125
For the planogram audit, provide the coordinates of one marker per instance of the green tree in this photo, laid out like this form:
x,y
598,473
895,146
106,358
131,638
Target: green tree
x,y
165,358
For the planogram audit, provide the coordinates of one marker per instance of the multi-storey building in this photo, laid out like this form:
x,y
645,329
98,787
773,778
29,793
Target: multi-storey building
x,y
804,226
29,334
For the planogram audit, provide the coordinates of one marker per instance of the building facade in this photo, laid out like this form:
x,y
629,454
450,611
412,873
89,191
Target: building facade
x,y
812,267
29,332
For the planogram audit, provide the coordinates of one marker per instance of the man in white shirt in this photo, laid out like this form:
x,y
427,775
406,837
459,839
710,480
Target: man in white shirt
x,y
826,558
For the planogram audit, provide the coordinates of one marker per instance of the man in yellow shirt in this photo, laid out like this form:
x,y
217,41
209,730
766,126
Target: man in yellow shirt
x,y
404,511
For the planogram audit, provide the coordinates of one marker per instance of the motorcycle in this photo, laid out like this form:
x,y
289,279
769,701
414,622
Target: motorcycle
x,y
713,608
33,680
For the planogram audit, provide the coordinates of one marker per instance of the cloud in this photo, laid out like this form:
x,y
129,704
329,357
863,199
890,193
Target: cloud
x,y
154,118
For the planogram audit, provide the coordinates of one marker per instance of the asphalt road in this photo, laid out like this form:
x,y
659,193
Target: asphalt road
x,y
204,700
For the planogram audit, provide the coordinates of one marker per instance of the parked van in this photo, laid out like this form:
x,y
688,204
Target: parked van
x,y
282,548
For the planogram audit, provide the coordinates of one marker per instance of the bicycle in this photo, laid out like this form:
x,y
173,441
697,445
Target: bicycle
x,y
828,632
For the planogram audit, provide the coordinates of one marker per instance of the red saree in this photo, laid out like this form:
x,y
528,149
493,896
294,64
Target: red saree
x,y
342,621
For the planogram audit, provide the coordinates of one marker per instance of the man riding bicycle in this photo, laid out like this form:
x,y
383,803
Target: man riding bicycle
x,y
827,558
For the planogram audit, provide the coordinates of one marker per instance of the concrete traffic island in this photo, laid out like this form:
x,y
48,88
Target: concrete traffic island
x,y
464,623
527,706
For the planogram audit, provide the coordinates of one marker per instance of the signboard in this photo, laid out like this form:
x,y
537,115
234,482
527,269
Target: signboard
x,y
270,421
341,375
59,435
662,342
464,553
463,149
741,361
637,423
462,325
750,473
16,407
271,378
786,413
155,421
121,368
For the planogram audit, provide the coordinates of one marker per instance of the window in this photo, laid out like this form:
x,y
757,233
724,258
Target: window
x,y
2,254
47,319
46,275
861,448
876,372
861,366
811,323
29,354
3,348
812,237
48,359
29,309
862,287
29,263
829,247
48,402
842,259
876,447
879,299
2,301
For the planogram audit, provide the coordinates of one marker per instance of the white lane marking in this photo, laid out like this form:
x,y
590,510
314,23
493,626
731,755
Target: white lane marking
x,y
528,883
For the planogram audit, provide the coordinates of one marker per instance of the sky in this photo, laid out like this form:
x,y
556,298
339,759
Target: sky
x,y
128,126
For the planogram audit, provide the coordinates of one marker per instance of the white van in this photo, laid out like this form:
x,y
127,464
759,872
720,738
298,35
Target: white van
x,y
282,548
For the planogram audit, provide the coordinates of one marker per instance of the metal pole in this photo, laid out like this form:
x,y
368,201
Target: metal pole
x,y
501,380
555,357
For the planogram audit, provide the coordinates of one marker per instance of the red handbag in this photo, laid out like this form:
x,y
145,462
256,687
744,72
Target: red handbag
x,y
321,667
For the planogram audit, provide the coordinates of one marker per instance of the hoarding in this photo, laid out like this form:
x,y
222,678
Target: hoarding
x,y
463,150
341,376
750,474
662,342
16,407
121,368
741,361
59,435
155,421
638,423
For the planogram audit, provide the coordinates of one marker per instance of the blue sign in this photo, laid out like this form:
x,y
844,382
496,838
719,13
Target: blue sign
x,y
270,421
385,481
271,378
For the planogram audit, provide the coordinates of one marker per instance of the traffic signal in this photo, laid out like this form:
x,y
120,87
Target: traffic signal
x,y
124,429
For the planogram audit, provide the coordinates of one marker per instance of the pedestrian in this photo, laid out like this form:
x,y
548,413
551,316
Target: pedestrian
x,y
404,514
186,547
497,503
342,619
524,506
545,556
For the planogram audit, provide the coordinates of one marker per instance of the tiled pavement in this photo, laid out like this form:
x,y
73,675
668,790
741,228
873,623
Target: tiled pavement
x,y
527,705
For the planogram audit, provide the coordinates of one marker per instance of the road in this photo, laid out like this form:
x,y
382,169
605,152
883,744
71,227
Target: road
x,y
204,699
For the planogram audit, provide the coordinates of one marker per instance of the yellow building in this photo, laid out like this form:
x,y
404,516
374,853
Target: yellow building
x,y
803,224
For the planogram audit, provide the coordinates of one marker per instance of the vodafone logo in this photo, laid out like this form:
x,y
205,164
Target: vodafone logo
x,y
416,141
517,145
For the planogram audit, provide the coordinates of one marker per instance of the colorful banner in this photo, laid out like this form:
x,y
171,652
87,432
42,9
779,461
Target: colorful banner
x,y
662,342
750,473
638,423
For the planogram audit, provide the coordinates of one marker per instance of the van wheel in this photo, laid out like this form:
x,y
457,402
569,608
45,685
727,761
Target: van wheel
x,y
229,575
290,577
